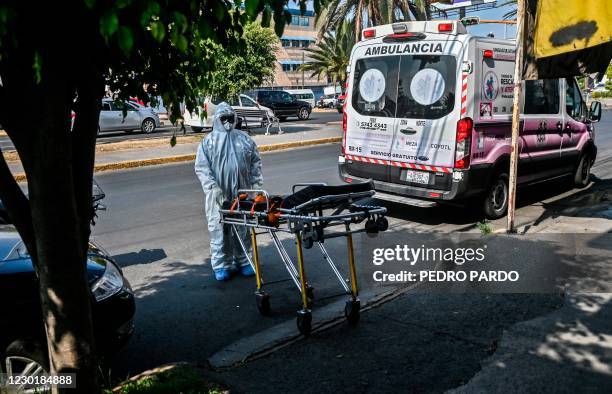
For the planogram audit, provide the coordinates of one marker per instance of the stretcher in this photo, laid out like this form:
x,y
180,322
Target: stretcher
x,y
312,214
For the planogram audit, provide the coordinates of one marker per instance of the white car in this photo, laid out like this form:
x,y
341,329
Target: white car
x,y
137,117
252,114
304,95
329,100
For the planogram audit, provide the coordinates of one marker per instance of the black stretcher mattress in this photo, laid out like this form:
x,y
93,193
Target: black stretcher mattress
x,y
311,192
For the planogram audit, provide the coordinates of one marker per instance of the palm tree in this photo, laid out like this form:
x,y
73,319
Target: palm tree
x,y
330,57
366,13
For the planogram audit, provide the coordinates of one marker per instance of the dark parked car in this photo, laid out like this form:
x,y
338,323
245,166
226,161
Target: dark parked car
x,y
23,348
283,104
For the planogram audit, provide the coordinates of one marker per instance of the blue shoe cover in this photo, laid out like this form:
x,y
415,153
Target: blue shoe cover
x,y
247,270
222,275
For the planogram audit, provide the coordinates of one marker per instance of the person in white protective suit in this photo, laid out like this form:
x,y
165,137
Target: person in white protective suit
x,y
227,160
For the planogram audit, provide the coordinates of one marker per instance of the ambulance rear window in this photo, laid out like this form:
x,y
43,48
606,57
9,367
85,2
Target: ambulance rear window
x,y
375,92
426,87
406,86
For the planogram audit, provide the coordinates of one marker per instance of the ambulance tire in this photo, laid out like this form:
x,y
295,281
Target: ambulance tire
x,y
495,202
582,174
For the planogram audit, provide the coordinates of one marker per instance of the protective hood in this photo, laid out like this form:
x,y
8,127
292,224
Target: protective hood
x,y
224,110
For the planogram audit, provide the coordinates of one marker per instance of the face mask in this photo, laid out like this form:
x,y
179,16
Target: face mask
x,y
227,126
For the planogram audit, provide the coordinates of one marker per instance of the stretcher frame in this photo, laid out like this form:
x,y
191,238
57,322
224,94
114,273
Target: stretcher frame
x,y
308,228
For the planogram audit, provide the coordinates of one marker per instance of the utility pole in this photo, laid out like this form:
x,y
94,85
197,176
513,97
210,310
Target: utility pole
x,y
516,111
302,69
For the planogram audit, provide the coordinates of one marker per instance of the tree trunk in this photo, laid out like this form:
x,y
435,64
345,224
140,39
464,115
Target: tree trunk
x,y
54,220
358,22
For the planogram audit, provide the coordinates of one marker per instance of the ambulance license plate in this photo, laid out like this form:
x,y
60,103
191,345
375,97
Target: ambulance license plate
x,y
415,176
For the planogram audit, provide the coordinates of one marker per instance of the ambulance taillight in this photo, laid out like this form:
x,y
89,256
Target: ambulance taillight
x,y
463,142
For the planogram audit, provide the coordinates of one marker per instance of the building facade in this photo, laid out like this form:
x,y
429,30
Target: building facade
x,y
300,34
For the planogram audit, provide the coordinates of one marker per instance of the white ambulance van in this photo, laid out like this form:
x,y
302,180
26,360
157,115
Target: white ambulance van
x,y
428,118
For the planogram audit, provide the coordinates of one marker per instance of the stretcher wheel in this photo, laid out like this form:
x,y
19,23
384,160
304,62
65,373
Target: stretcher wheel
x,y
310,295
318,234
351,311
304,322
308,242
263,302
371,228
382,223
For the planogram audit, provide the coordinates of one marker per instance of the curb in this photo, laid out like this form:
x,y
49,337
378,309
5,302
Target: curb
x,y
183,158
284,334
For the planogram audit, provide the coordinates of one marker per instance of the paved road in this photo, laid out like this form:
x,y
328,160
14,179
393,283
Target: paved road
x,y
288,125
155,228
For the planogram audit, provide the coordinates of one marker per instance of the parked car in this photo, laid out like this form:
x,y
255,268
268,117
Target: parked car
x,y
137,117
304,95
250,114
23,346
444,134
329,100
283,104
340,103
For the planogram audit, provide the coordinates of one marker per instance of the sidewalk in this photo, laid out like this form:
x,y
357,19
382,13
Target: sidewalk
x,y
292,135
465,343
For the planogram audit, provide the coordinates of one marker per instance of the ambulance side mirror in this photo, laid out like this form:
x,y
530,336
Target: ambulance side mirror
x,y
595,112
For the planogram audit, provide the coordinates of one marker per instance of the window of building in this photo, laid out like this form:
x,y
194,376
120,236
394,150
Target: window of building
x,y
295,43
304,21
295,20
286,43
305,44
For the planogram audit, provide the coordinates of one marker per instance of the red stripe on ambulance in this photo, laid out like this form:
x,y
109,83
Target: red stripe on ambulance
x,y
464,87
445,170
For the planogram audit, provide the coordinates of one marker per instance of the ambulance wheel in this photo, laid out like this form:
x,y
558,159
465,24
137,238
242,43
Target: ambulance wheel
x,y
304,322
263,303
582,174
351,311
382,223
496,198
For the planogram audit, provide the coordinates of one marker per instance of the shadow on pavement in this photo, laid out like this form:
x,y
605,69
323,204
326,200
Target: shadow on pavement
x,y
145,256
468,213
433,342
592,202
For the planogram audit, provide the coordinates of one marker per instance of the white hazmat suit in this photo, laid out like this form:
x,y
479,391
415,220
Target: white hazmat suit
x,y
227,160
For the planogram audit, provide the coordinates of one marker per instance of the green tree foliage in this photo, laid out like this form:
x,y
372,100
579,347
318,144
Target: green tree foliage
x,y
243,67
365,13
330,57
56,57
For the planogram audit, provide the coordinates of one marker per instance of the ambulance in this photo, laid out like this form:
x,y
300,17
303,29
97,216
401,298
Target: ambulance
x,y
428,118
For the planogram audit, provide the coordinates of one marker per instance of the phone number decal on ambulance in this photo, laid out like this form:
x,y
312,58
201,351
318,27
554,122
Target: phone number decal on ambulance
x,y
372,125
398,49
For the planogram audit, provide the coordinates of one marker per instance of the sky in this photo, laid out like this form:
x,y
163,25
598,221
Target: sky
x,y
478,30
496,29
